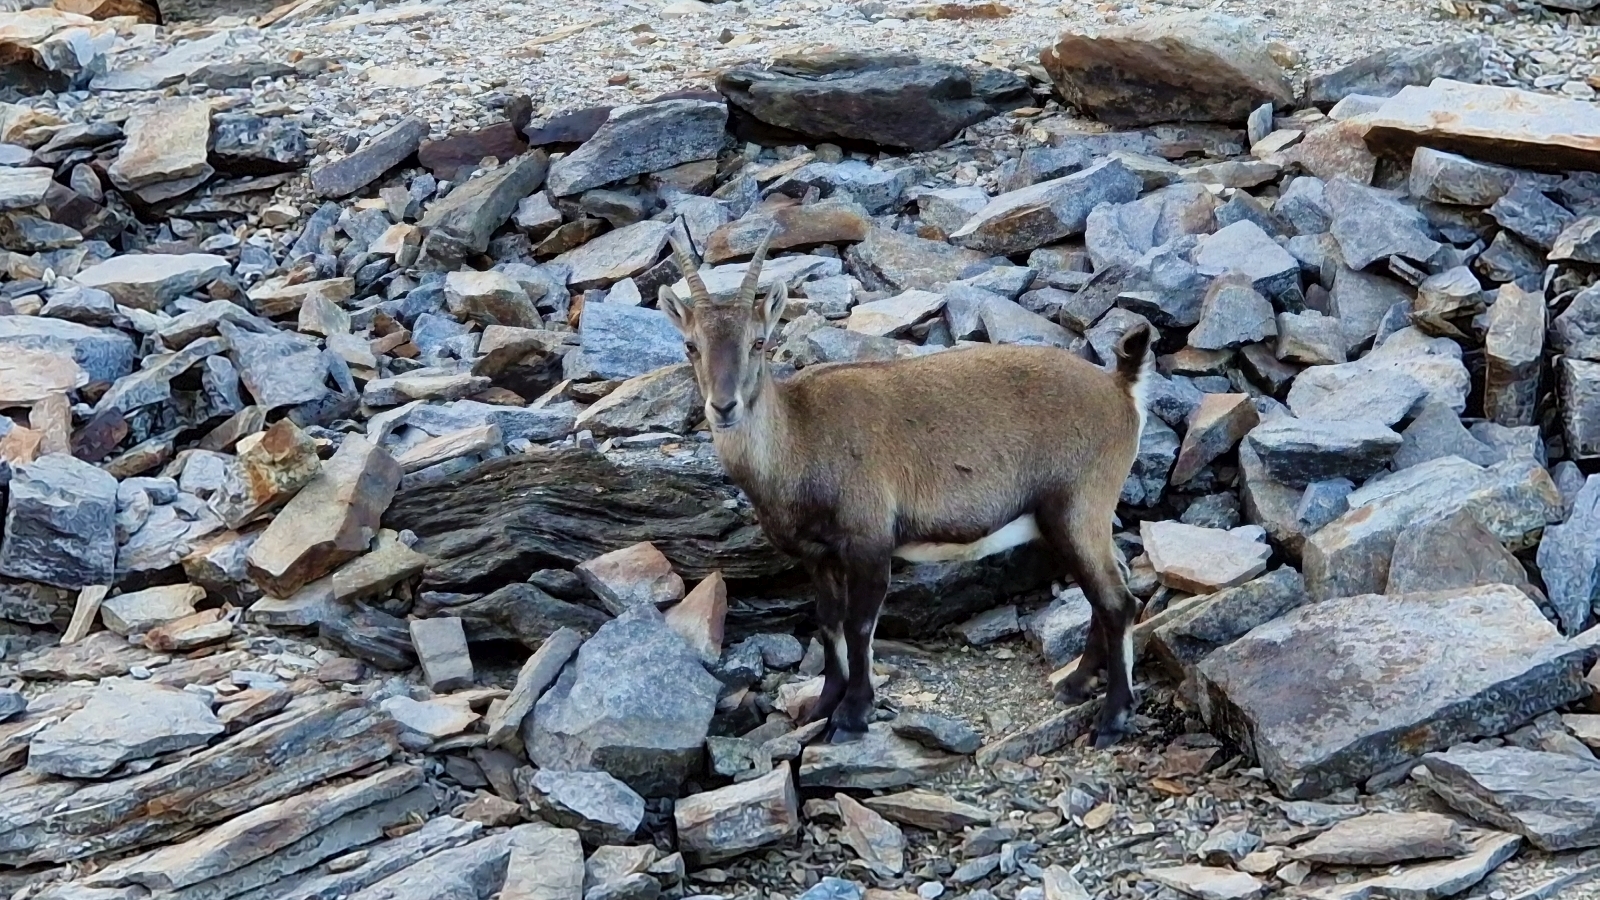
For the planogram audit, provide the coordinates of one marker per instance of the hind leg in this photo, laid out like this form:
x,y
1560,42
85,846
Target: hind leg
x,y
1083,538
1077,686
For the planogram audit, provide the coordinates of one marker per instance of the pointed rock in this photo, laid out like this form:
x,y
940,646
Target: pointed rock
x,y
698,618
1214,429
632,576
879,843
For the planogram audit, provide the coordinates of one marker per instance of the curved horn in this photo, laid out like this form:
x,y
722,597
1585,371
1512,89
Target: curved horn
x,y
752,275
687,264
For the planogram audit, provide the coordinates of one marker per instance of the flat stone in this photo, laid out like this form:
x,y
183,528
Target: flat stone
x,y
894,100
1513,499
150,281
462,223
1387,72
165,142
544,864
616,255
635,703
881,760
1201,560
1569,559
1435,880
666,400
1185,67
105,354
621,341
833,221
1043,213
28,377
1385,385
1381,839
424,384
270,467
24,187
1489,123
190,632
929,810
330,521
1371,224
60,524
877,841
1455,553
441,645
1245,249
464,444
535,677
1547,798
1189,635
1214,429
896,315
1207,882
1579,241
728,821
432,720
140,611
633,576
641,138
600,808
1580,406
1298,452
489,298
1439,668
990,625
937,732
892,261
456,156
122,722
345,176
1452,178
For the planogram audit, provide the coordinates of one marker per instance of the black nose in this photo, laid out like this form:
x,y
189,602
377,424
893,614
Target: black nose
x,y
725,409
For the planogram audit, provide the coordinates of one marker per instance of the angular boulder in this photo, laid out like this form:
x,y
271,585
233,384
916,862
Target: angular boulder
x,y
60,524
122,722
635,703
1044,213
1187,635
641,138
1569,559
1514,500
1298,452
1381,680
1186,67
1552,799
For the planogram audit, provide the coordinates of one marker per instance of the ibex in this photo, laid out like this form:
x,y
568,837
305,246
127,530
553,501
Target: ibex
x,y
957,454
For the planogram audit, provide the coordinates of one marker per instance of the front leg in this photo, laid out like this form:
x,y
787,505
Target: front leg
x,y
866,585
827,579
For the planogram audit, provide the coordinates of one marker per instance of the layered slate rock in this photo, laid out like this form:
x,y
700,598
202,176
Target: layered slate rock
x,y
600,808
123,722
1384,679
640,138
725,822
104,354
635,703
60,525
1188,67
1548,798
1298,452
1186,636
462,223
1043,213
1569,559
1489,123
1385,73
1457,552
891,100
150,281
1513,500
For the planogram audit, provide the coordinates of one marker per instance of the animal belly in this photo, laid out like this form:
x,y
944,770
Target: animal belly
x,y
1015,533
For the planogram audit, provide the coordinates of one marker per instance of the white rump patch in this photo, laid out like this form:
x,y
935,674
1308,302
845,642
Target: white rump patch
x,y
1015,533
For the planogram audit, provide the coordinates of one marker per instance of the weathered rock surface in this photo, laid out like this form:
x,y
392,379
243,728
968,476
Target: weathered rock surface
x,y
1202,560
640,138
635,703
1298,452
600,808
1186,636
1380,839
1187,67
60,525
1377,686
1548,798
121,723
1569,559
727,821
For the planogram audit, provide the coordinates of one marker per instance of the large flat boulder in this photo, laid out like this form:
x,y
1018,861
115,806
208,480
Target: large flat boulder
x,y
642,138
635,703
1381,680
1505,125
1187,67
892,100
60,525
1552,799
1514,500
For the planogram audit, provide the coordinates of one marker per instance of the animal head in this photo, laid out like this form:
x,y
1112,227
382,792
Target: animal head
x,y
725,339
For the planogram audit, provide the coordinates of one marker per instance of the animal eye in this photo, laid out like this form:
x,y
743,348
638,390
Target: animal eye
x,y
758,345
691,349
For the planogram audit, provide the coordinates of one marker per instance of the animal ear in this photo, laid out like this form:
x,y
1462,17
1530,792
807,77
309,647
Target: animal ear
x,y
680,313
771,309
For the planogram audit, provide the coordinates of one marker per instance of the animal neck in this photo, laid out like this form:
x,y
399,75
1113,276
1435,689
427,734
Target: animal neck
x,y
752,451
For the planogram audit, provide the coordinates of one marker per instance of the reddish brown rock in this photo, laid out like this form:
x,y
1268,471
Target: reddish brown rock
x,y
332,520
632,576
460,153
1215,428
272,466
699,618
827,222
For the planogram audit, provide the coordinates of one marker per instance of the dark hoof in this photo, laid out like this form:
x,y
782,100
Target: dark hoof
x,y
1110,730
836,735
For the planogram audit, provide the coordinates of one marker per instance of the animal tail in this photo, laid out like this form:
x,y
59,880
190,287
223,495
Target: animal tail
x,y
1135,365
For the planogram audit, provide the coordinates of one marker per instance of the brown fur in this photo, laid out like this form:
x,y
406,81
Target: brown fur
x,y
846,462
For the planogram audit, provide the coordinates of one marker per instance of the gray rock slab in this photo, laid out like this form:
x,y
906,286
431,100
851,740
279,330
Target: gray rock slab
x,y
1514,500
600,808
149,281
1371,224
1569,559
123,721
1552,799
635,703
1385,73
1298,452
1060,631
1384,385
105,354
1189,635
1043,213
623,341
1383,680
462,223
642,138
1245,249
345,176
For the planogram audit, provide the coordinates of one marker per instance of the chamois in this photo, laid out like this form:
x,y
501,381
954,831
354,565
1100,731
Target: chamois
x,y
957,454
